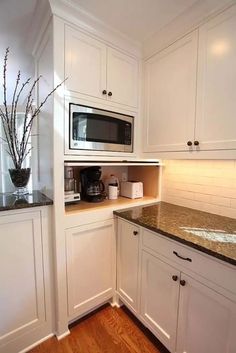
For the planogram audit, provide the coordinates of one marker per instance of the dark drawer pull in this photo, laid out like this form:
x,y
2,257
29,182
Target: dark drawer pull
x,y
135,232
181,257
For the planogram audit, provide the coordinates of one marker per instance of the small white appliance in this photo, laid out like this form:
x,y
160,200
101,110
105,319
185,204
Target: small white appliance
x,y
71,193
132,189
72,197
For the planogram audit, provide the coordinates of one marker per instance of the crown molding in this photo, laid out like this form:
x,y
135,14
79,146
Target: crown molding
x,y
71,12
200,12
40,20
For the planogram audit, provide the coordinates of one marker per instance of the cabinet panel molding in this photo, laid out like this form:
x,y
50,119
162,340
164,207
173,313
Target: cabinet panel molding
x,y
159,298
216,89
89,266
207,320
25,278
122,78
85,63
170,92
128,263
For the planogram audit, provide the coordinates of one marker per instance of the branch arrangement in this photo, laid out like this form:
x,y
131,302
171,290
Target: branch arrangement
x,y
18,143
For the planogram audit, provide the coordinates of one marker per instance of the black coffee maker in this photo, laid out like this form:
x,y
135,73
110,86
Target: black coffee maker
x,y
92,188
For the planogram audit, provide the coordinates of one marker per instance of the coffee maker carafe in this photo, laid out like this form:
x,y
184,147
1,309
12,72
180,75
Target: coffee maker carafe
x,y
91,186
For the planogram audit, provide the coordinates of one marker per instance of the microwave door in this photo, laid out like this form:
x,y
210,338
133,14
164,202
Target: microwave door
x,y
93,131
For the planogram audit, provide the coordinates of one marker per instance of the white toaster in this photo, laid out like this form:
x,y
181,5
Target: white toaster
x,y
131,189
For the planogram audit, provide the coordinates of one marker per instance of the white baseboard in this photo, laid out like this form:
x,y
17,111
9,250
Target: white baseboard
x,y
66,333
37,343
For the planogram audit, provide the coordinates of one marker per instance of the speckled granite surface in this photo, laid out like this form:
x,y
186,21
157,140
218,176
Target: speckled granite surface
x,y
8,201
212,234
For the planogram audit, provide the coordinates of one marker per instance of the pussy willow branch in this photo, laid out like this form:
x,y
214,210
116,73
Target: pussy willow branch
x,y
18,150
5,81
28,109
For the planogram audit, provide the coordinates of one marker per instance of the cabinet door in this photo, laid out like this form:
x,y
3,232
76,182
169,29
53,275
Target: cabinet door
x,y
170,92
207,320
128,262
22,303
216,108
122,78
159,298
85,64
89,266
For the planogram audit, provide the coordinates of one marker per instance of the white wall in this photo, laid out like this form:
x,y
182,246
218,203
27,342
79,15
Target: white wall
x,y
205,185
44,67
15,20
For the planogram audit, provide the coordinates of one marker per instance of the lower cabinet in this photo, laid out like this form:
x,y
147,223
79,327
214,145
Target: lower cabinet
x,y
89,251
25,278
207,320
159,298
128,263
187,314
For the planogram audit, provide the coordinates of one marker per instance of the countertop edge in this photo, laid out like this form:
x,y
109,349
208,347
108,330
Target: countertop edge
x,y
180,240
15,203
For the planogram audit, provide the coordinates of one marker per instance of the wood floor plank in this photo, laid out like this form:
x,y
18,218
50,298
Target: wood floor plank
x,y
109,330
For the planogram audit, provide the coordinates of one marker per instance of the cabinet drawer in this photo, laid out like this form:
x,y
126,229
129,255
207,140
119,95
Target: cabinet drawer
x,y
203,265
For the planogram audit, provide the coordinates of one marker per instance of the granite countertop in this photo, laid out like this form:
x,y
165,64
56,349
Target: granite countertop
x,y
8,201
210,233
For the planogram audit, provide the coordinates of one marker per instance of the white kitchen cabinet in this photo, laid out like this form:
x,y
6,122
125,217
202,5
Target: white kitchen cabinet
x,y
190,90
170,91
89,252
85,63
196,313
25,304
206,321
122,78
216,89
96,70
159,298
187,299
128,263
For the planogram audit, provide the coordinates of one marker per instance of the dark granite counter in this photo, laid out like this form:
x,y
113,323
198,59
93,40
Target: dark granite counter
x,y
8,201
210,233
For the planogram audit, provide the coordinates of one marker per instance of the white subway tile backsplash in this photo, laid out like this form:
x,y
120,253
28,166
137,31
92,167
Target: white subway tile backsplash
x,y
207,185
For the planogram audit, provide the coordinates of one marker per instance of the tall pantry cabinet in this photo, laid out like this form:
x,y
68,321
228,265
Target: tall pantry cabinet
x,y
101,72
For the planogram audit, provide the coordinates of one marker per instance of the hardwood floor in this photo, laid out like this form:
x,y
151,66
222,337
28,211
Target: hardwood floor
x,y
109,330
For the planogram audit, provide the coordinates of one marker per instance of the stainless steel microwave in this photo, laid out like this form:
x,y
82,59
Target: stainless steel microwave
x,y
99,130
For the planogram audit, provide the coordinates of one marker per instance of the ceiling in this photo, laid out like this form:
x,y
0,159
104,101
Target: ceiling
x,y
137,19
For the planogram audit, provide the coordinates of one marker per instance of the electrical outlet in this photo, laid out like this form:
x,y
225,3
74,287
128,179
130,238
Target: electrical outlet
x,y
124,176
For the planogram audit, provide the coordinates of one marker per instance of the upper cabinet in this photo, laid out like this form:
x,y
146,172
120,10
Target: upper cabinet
x,y
216,93
122,78
191,90
85,64
170,90
96,70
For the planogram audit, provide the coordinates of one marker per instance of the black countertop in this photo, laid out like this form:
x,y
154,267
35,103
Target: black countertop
x,y
8,201
209,233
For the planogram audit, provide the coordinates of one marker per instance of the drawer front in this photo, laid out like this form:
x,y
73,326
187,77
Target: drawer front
x,y
204,265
